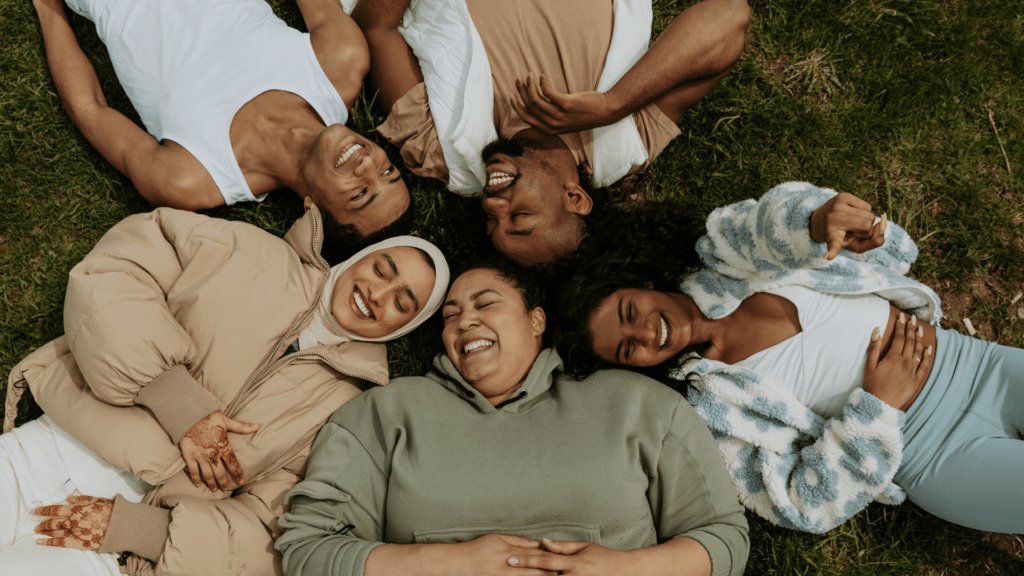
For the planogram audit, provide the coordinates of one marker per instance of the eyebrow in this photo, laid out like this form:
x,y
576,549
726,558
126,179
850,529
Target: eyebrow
x,y
525,232
618,349
473,297
368,202
415,300
391,263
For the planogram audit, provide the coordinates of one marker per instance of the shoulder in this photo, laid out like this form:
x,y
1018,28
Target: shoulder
x,y
617,387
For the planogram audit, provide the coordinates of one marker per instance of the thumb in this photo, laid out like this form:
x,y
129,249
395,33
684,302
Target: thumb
x,y
874,349
566,548
835,242
240,427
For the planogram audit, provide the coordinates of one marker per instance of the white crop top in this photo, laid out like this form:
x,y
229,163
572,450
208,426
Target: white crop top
x,y
825,362
189,65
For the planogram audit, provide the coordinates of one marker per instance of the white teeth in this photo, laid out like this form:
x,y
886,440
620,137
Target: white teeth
x,y
362,307
476,345
347,153
498,178
664,331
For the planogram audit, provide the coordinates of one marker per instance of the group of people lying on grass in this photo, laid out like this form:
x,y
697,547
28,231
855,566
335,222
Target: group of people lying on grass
x,y
220,401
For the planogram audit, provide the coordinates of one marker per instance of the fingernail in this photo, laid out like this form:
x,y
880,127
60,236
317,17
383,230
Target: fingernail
x,y
513,561
913,320
885,223
920,331
875,334
928,351
903,319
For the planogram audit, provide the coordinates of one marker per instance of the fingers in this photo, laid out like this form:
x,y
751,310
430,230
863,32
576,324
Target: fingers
x,y
234,468
519,541
546,561
52,526
918,342
925,367
66,542
193,471
220,474
874,349
240,427
209,479
82,500
563,547
54,510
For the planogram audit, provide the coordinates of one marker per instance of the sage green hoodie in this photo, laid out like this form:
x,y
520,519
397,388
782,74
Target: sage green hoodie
x,y
617,459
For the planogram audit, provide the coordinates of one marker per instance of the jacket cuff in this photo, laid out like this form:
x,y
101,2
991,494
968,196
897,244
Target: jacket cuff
x,y
177,400
137,528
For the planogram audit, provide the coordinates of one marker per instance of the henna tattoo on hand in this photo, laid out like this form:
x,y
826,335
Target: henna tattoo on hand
x,y
81,525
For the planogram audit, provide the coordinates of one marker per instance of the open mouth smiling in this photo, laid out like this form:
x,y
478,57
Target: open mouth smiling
x,y
361,306
476,345
664,331
347,153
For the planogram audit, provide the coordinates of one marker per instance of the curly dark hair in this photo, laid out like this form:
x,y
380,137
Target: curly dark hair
x,y
341,241
648,246
528,282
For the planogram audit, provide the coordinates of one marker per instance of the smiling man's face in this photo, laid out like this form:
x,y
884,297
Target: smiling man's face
x,y
533,201
351,178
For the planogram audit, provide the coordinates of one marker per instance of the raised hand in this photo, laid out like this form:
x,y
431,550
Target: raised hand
x,y
575,558
545,108
846,221
80,525
208,454
896,379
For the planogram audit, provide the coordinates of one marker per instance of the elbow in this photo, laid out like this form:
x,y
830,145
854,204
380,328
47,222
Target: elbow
x,y
183,191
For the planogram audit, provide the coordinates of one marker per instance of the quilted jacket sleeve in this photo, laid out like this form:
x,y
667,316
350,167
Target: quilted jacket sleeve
x,y
789,465
121,331
229,537
771,236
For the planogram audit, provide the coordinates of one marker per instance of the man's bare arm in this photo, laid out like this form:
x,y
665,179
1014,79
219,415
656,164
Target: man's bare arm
x,y
393,67
688,59
164,175
338,44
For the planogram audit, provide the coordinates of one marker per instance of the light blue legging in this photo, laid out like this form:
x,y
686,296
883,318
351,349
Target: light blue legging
x,y
962,458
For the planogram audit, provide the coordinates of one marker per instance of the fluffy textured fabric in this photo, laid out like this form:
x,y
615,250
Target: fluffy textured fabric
x,y
789,465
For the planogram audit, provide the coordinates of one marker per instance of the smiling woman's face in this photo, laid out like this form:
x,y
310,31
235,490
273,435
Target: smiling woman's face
x,y
383,291
490,336
640,327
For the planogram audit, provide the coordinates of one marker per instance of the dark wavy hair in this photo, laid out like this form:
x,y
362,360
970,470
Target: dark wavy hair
x,y
341,241
648,246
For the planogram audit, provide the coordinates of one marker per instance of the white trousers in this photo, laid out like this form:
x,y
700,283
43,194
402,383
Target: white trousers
x,y
41,465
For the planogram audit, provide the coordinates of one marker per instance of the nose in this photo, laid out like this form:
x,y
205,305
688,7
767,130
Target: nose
x,y
646,332
468,319
496,207
364,165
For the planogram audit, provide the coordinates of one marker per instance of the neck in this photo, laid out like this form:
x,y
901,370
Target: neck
x,y
271,135
703,329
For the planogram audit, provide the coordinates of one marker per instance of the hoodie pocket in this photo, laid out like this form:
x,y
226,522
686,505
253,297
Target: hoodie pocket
x,y
566,531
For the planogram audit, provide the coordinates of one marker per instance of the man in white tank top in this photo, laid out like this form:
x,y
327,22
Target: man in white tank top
x,y
236,104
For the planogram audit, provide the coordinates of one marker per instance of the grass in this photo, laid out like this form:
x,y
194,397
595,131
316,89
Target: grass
x,y
886,99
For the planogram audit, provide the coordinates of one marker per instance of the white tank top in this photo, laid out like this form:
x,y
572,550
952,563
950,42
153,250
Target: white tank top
x,y
189,65
824,363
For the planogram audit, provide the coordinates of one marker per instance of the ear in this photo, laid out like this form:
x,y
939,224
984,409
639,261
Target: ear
x,y
307,202
576,200
538,320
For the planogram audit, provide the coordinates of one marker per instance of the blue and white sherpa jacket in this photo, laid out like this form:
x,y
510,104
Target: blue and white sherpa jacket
x,y
789,465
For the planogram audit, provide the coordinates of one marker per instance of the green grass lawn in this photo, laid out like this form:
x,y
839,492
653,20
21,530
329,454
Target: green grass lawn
x,y
897,101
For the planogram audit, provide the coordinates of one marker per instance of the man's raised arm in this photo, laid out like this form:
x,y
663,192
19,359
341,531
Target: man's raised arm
x,y
393,67
164,175
688,59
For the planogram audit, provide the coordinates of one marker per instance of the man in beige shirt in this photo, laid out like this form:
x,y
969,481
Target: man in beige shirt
x,y
546,59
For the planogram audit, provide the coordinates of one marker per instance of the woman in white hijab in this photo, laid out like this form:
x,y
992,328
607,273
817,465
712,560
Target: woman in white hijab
x,y
195,349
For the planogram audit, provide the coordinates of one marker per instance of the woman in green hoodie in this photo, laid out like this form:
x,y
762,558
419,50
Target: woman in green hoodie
x,y
495,463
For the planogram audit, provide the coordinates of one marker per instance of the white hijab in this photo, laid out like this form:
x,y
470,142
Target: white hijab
x,y
324,329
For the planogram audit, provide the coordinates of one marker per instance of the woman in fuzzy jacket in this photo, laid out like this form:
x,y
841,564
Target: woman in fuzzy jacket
x,y
817,364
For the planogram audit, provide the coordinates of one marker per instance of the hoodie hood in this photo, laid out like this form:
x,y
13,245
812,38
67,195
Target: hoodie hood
x,y
538,381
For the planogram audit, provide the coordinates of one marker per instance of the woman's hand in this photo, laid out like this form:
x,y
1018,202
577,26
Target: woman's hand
x,y
80,525
896,379
846,221
208,454
575,558
489,555
540,105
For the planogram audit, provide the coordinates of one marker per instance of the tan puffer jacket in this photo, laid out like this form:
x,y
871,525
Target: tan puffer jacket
x,y
172,316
